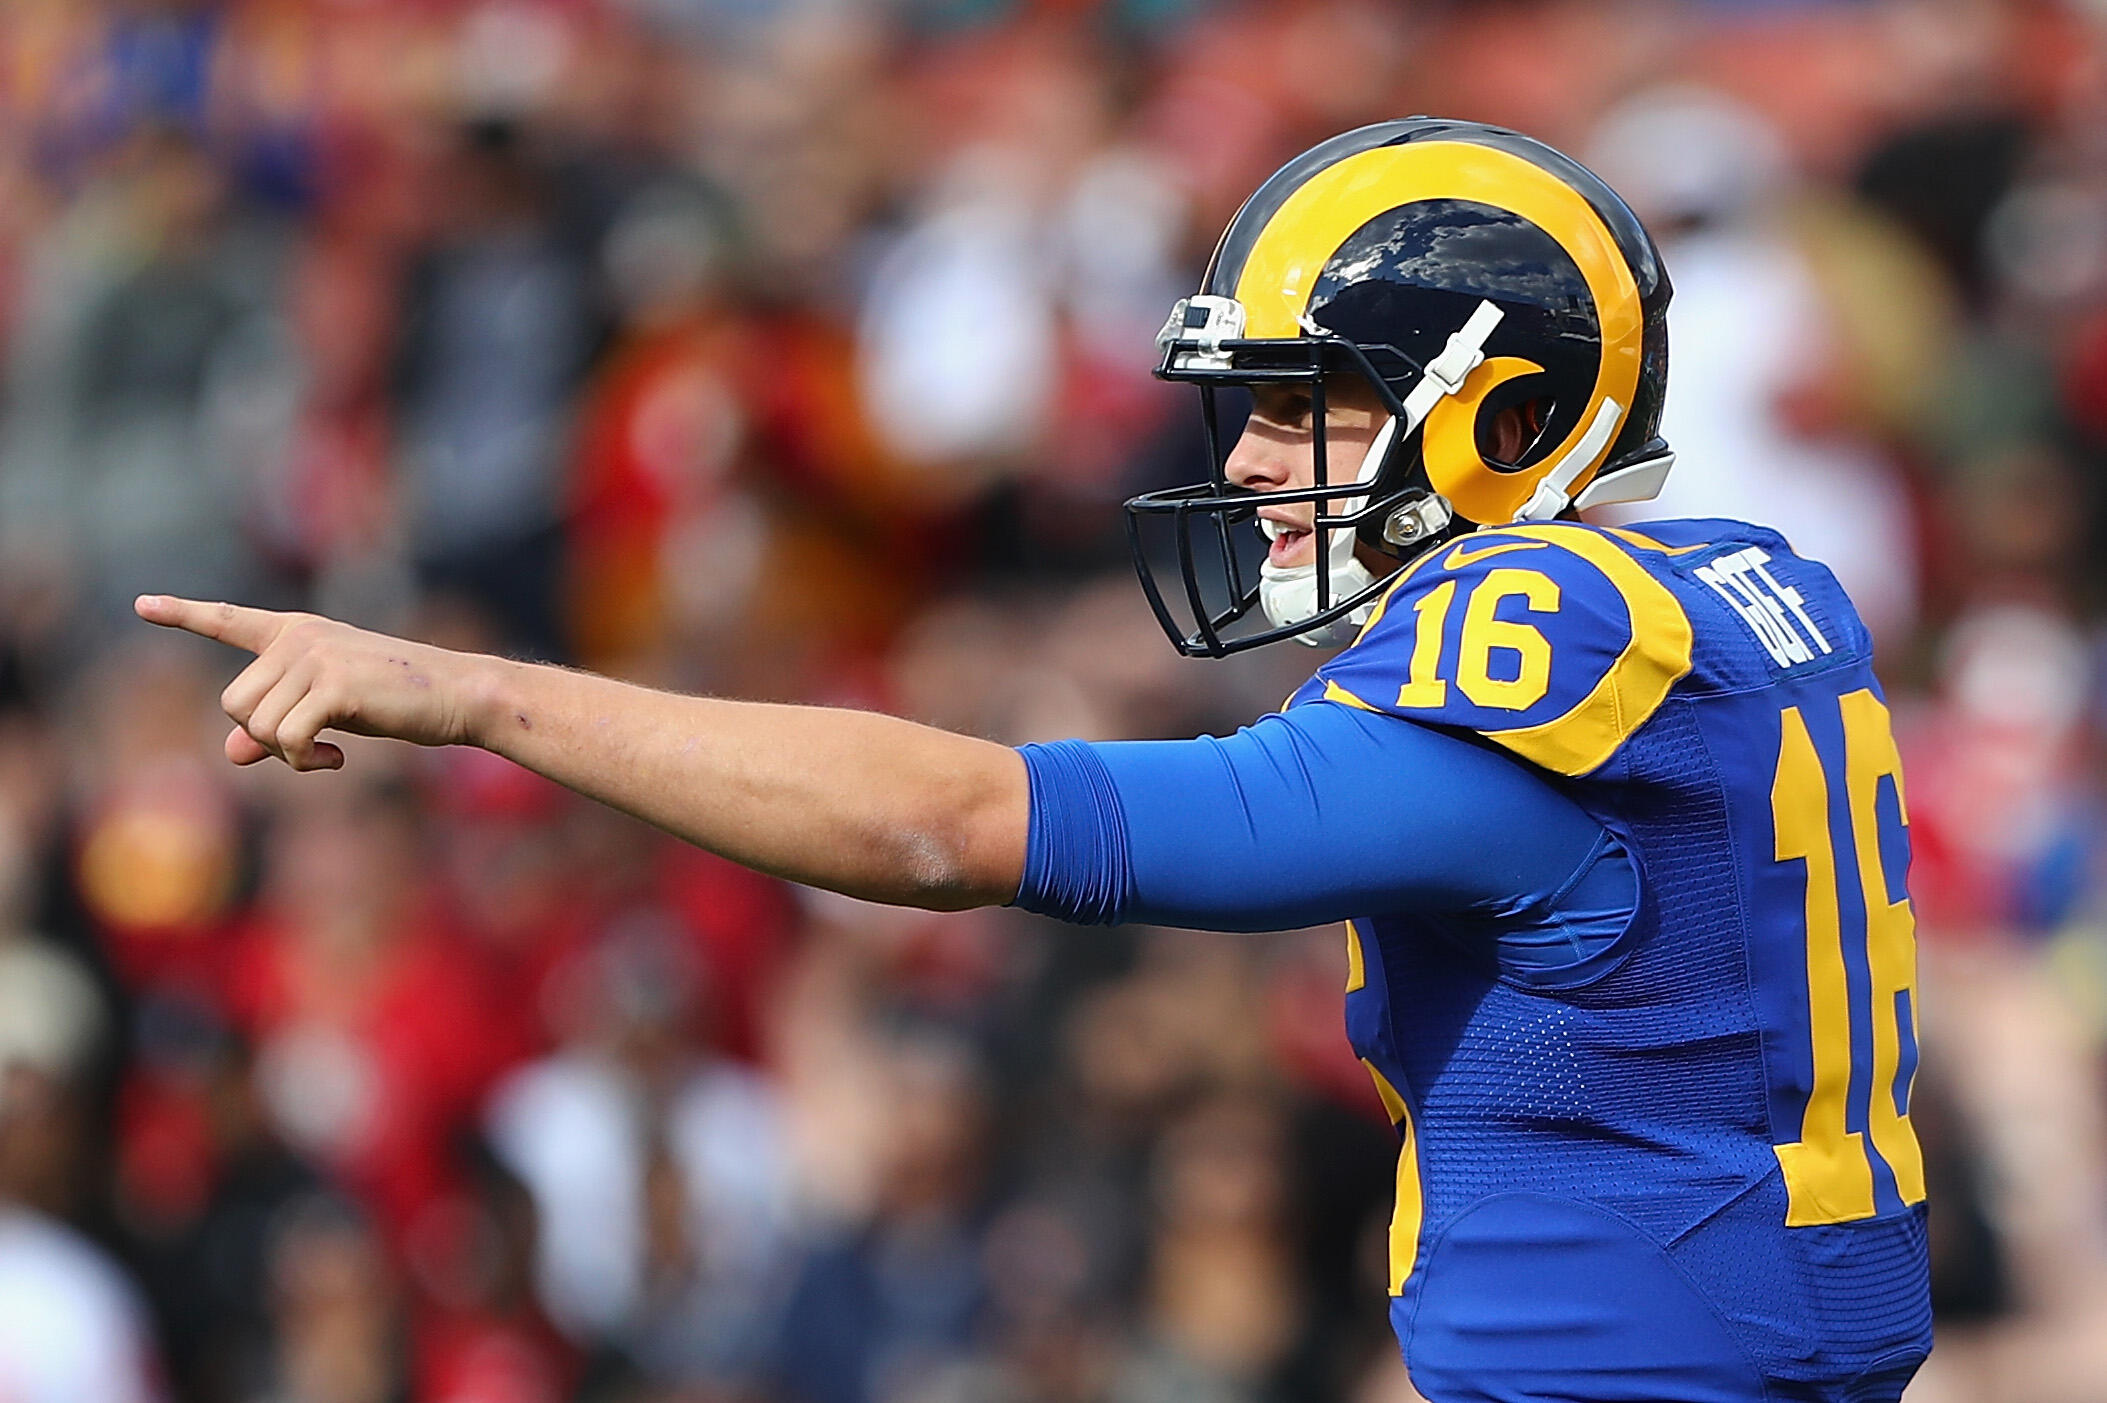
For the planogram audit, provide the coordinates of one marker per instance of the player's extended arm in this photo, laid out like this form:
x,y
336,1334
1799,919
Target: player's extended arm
x,y
861,803
1323,813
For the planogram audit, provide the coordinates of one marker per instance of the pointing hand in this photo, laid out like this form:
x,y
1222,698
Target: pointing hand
x,y
313,674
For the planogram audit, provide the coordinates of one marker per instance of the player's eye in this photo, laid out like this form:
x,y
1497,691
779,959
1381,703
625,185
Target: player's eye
x,y
1284,408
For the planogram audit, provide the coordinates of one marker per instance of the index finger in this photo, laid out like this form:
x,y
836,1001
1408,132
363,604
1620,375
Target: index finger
x,y
237,624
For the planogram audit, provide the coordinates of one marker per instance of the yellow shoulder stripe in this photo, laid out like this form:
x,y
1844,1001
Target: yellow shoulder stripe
x,y
1644,542
1356,961
1406,1214
1333,692
1457,557
1383,600
1653,660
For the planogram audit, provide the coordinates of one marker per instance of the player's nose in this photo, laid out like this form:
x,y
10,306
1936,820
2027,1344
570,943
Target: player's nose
x,y
1261,463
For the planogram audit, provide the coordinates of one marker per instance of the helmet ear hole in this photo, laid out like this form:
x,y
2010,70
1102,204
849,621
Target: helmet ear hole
x,y
1509,433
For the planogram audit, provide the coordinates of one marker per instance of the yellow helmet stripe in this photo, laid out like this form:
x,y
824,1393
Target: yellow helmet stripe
x,y
1450,440
1292,250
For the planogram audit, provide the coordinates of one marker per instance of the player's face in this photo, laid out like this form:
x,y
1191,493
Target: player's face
x,y
1277,453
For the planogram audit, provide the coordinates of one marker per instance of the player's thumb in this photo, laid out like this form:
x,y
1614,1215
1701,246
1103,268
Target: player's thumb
x,y
243,748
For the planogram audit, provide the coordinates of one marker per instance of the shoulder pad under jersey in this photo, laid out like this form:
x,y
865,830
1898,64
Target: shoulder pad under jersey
x,y
1552,641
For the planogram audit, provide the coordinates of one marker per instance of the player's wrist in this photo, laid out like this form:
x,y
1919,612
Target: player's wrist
x,y
490,688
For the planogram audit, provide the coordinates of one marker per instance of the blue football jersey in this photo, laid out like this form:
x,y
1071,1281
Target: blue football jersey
x,y
1680,1167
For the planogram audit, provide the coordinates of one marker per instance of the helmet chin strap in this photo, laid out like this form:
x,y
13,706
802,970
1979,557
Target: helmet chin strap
x,y
1288,593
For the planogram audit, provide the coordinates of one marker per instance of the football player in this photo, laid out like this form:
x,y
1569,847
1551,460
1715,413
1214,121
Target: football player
x,y
1613,816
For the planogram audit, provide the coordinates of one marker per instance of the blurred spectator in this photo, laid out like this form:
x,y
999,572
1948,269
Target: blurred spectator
x,y
312,441
156,824
483,1335
375,1038
1223,1316
121,394
2002,832
941,391
1757,354
71,1326
334,1310
885,1311
662,543
206,1187
499,322
657,1170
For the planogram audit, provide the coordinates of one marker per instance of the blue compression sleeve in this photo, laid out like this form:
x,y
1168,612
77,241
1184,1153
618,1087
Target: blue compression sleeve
x,y
1319,815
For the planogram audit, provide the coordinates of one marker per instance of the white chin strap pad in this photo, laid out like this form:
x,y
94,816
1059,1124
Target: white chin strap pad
x,y
1288,593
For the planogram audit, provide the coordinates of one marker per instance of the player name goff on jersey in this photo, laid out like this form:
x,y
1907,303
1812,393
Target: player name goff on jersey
x,y
1691,1140
1751,591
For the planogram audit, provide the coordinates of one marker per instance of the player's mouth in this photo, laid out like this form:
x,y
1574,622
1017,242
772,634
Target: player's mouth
x,y
1293,544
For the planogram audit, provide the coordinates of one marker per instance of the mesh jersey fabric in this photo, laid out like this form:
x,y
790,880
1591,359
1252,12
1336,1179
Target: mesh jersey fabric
x,y
1687,684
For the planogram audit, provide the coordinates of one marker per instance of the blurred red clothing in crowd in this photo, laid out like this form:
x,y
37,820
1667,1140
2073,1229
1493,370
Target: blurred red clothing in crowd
x,y
373,1057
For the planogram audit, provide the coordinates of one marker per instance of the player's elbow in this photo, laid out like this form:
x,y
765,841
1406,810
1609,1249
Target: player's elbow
x,y
937,873
967,849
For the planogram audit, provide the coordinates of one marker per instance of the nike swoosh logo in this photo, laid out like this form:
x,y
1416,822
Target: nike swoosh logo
x,y
1461,556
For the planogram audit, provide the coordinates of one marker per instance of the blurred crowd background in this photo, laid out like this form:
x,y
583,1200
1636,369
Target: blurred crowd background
x,y
800,349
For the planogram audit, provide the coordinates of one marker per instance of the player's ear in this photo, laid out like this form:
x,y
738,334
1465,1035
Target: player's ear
x,y
1505,438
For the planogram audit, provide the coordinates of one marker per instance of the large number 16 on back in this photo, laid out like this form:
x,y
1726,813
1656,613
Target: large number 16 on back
x,y
1829,1170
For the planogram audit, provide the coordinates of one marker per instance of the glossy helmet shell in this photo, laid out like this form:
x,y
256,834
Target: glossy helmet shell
x,y
1390,236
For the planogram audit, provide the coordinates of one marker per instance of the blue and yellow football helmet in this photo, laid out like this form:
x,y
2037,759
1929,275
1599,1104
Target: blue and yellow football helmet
x,y
1458,270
